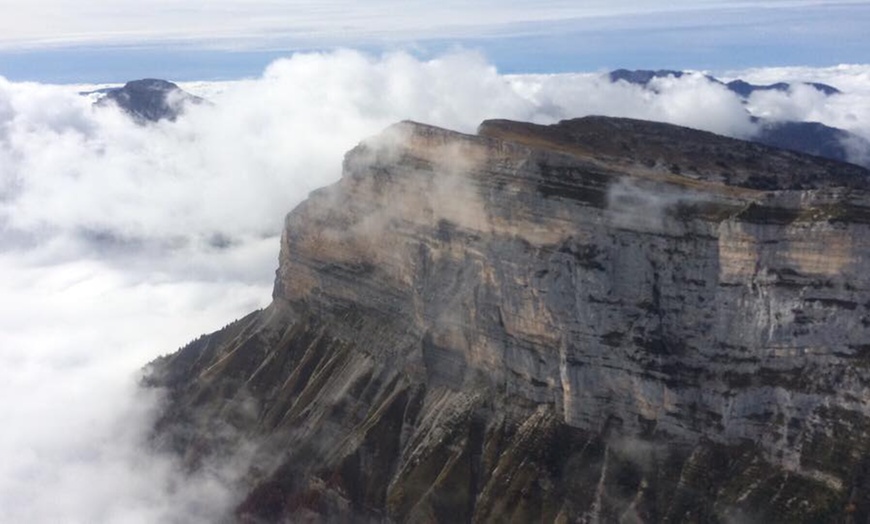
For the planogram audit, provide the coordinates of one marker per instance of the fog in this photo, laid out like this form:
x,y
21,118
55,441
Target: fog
x,y
120,242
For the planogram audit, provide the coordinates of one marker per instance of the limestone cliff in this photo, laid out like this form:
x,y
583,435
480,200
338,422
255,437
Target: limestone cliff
x,y
602,320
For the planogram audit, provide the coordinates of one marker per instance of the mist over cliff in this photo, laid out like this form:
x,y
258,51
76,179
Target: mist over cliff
x,y
597,320
121,242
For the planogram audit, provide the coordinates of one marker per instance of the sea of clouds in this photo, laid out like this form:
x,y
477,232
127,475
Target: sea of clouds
x,y
120,242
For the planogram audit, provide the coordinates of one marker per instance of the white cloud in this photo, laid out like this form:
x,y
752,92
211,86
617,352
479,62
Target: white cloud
x,y
851,78
72,336
849,110
120,242
265,143
262,23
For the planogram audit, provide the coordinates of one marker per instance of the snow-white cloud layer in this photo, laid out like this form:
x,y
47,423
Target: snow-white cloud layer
x,y
120,242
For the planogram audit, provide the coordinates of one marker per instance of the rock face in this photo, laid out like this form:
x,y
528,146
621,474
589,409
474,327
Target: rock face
x,y
150,100
598,321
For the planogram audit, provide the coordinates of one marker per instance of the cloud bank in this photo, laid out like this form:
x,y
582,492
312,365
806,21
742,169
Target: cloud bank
x,y
120,242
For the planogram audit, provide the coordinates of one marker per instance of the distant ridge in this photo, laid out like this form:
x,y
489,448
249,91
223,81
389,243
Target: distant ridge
x,y
813,138
740,87
152,100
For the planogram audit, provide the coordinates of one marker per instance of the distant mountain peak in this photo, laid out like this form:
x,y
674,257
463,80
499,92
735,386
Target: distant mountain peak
x,y
745,89
740,87
149,99
806,137
642,76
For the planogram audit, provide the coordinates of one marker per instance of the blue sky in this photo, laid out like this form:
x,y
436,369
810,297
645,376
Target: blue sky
x,y
112,41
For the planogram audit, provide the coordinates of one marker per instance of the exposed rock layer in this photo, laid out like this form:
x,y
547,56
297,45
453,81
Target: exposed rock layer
x,y
600,320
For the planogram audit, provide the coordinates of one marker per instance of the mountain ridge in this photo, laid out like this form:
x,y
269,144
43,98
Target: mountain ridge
x,y
737,86
814,138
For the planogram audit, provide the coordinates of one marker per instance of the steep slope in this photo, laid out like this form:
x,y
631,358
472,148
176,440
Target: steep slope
x,y
601,320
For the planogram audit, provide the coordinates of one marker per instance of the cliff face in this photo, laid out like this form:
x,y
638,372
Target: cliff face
x,y
598,320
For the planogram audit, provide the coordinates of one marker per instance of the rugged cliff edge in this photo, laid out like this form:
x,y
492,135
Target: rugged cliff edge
x,y
600,320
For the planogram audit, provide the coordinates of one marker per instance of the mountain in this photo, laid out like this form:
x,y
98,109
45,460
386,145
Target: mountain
x,y
152,100
602,320
815,139
740,87
149,100
745,89
644,76
804,137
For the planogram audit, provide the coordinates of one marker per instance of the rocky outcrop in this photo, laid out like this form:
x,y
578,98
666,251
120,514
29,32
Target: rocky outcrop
x,y
597,321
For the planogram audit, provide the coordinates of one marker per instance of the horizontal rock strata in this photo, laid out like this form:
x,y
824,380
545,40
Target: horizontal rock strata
x,y
601,320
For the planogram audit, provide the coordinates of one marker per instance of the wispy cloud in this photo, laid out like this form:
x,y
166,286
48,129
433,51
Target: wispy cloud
x,y
261,23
